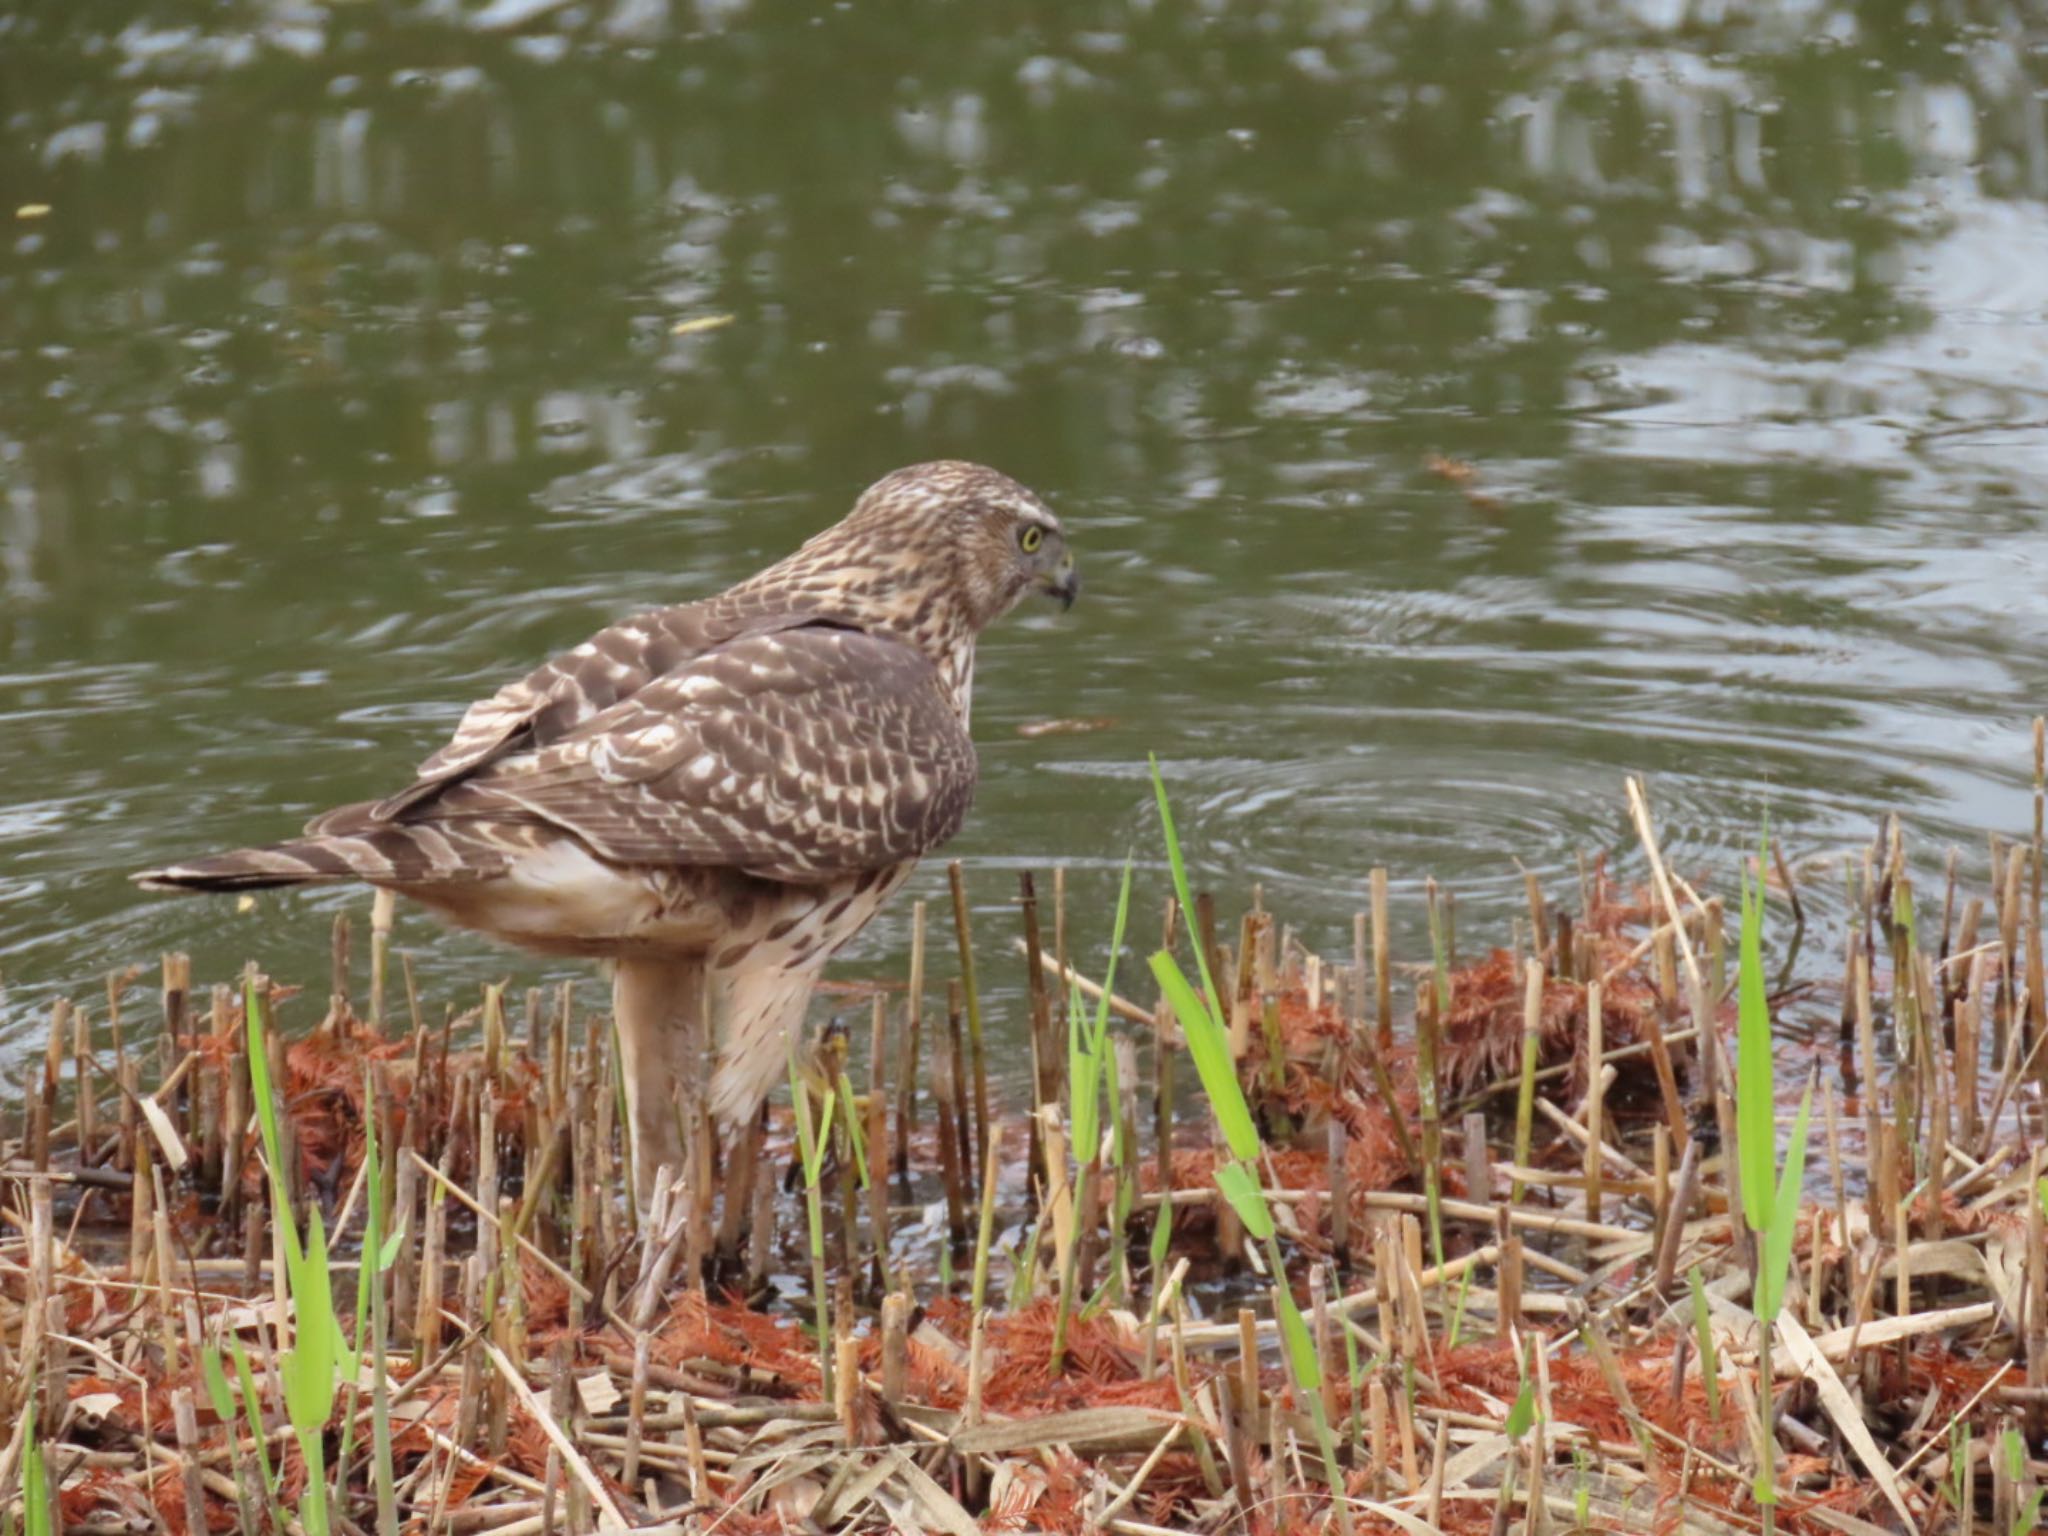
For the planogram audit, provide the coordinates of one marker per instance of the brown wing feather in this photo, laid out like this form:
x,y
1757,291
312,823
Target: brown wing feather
x,y
796,756
561,694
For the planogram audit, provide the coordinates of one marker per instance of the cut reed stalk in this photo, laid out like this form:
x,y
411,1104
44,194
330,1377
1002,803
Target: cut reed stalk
x,y
1525,1104
1596,1096
1426,1087
537,1110
971,996
913,1029
878,1146
1382,964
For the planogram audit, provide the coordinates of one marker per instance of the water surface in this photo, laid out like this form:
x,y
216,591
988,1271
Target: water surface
x,y
1454,405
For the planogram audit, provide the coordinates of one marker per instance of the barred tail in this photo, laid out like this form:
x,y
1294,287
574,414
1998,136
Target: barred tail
x,y
308,861
384,855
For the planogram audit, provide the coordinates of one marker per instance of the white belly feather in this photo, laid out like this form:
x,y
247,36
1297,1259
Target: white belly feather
x,y
561,899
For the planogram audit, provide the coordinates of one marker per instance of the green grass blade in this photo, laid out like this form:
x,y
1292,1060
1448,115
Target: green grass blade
x,y
370,1269
216,1380
1756,1129
309,1368
806,1135
1703,1326
313,1502
252,1409
35,1483
1242,1190
824,1132
1209,1045
369,1303
1523,1413
376,1216
1301,1346
1116,948
1180,880
853,1130
811,1149
266,1115
1123,1136
1024,1273
1162,1239
1084,1076
1776,1259
1458,1310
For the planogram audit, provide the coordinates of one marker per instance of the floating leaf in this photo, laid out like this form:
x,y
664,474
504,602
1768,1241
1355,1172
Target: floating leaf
x,y
1457,471
1066,727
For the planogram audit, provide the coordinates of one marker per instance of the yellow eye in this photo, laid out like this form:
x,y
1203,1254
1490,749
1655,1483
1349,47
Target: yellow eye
x,y
1030,538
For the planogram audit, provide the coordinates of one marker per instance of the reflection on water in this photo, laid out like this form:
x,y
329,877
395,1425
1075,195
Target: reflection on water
x,y
1455,405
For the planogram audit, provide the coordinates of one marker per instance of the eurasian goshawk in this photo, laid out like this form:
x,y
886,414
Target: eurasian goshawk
x,y
713,797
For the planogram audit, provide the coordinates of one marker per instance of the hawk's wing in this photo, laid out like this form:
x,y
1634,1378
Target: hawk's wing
x,y
561,694
798,755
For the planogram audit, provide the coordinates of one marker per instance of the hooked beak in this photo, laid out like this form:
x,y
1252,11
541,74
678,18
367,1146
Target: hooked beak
x,y
1062,582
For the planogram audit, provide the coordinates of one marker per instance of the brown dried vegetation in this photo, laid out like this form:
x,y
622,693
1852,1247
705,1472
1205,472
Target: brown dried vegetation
x,y
693,1399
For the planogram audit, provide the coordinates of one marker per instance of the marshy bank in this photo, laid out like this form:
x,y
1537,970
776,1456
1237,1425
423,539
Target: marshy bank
x,y
1477,1236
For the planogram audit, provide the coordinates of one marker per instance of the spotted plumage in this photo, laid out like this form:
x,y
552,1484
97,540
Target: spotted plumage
x,y
716,796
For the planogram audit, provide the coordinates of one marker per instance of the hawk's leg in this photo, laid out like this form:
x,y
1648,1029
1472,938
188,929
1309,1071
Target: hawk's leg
x,y
659,1007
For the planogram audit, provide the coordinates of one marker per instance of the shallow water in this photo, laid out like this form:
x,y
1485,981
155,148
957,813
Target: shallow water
x,y
341,381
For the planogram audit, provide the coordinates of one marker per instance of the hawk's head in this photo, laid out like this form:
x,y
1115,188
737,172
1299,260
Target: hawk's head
x,y
959,541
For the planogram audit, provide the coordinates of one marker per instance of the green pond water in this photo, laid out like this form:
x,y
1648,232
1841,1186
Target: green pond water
x,y
1454,407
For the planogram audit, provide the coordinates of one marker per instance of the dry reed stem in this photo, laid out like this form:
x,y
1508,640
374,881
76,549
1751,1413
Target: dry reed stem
x,y
548,1099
